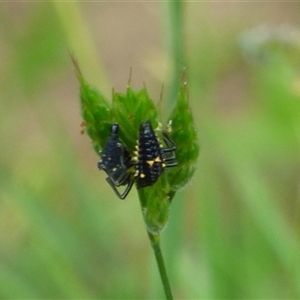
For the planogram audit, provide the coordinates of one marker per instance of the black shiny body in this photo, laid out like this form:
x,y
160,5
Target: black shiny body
x,y
152,158
114,160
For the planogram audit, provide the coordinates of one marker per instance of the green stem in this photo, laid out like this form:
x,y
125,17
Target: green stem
x,y
81,44
155,210
177,45
161,265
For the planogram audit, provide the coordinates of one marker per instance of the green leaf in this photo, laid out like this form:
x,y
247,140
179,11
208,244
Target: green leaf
x,y
130,110
95,111
96,114
183,133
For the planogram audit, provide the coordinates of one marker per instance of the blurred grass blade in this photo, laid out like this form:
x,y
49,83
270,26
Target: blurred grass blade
x,y
81,42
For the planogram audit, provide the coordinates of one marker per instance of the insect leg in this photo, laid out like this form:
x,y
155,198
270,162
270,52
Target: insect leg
x,y
122,155
170,143
168,154
114,187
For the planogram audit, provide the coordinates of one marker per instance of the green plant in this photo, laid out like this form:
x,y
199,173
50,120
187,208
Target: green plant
x,y
129,110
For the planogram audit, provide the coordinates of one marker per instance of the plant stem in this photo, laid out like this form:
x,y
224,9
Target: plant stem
x,y
161,265
81,43
177,45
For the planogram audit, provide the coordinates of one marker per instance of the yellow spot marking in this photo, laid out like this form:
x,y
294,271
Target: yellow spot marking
x,y
157,159
143,175
150,162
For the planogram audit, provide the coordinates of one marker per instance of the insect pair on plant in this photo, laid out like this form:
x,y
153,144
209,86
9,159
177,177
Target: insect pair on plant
x,y
149,160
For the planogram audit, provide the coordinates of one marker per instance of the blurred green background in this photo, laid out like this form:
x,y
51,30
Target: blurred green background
x,y
233,232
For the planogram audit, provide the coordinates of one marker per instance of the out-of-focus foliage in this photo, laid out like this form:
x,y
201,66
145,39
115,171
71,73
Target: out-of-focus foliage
x,y
232,233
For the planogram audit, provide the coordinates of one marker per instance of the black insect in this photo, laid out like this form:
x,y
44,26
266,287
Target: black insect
x,y
152,158
115,161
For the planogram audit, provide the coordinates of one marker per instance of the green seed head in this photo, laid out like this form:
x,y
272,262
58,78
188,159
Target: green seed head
x,y
129,110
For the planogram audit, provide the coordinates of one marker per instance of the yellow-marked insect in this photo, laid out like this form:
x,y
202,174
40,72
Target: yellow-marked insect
x,y
115,160
149,160
151,157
